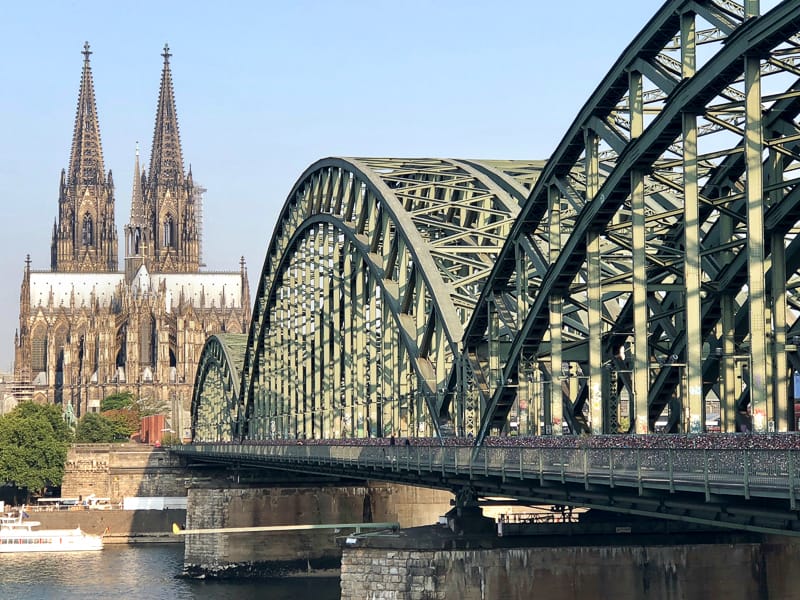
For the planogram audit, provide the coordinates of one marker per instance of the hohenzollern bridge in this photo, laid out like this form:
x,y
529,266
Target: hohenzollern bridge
x,y
641,281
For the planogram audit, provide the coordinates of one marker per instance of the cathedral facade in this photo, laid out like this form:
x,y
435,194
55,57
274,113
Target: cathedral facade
x,y
88,328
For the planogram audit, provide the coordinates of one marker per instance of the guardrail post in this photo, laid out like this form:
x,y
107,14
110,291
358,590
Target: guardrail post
x,y
747,475
541,467
705,474
639,470
671,468
586,468
790,462
521,451
611,467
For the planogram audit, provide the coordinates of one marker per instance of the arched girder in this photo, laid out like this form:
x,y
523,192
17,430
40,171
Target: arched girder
x,y
419,364
215,397
639,155
425,232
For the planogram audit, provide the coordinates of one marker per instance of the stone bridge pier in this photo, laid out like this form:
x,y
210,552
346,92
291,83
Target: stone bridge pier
x,y
260,554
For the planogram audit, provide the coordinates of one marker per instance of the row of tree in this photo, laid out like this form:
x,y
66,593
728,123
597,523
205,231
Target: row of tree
x,y
34,438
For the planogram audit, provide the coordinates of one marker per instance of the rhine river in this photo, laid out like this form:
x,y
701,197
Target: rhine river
x,y
149,571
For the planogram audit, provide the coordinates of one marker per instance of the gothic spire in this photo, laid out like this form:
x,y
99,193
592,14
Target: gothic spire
x,y
137,198
86,158
166,160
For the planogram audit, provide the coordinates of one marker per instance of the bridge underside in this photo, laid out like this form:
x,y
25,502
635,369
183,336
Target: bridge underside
x,y
536,477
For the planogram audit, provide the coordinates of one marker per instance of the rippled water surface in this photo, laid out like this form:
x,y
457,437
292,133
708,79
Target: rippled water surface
x,y
147,571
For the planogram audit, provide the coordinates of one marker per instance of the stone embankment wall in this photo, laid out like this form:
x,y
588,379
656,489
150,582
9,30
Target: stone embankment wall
x,y
118,470
731,571
267,553
118,526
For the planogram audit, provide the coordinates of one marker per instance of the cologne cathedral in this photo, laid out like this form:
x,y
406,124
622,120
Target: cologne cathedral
x,y
88,328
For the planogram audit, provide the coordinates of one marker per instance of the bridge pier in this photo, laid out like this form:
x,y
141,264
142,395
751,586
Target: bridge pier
x,y
263,554
434,563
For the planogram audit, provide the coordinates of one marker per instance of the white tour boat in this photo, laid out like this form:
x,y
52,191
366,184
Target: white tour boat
x,y
19,535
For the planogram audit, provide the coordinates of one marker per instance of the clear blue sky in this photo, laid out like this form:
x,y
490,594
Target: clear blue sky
x,y
264,89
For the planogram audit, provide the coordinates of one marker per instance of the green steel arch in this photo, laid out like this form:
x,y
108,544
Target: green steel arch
x,y
370,276
650,272
216,400
656,205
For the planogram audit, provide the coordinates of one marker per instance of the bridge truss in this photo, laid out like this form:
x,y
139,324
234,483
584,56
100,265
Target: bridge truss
x,y
640,278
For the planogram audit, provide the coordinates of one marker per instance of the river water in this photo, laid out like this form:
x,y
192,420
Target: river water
x,y
149,572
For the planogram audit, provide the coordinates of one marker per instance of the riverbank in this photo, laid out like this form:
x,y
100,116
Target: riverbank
x,y
118,526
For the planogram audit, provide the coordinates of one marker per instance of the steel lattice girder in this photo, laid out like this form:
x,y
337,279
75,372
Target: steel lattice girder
x,y
371,273
642,160
216,401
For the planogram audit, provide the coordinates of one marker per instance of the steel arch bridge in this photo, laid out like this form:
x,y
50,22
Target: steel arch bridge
x,y
643,277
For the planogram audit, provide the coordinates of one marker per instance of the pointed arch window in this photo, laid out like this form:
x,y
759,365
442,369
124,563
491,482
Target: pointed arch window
x,y
169,232
87,231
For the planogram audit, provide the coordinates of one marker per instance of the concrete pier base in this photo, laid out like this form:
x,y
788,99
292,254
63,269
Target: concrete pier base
x,y
436,564
266,554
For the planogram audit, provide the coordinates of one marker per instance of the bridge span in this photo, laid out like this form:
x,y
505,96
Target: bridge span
x,y
643,280
751,489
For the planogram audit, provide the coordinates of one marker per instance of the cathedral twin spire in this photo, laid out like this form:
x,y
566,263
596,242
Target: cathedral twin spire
x,y
84,236
163,232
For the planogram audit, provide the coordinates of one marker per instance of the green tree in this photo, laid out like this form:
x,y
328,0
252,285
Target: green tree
x,y
118,401
124,422
94,428
34,440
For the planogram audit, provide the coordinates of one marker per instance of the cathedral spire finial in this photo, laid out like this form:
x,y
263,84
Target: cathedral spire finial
x,y
86,52
166,159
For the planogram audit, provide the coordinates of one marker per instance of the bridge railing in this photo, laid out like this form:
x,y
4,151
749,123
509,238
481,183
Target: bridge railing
x,y
759,472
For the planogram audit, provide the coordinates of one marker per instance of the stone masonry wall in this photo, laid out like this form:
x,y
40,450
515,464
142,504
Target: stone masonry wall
x,y
267,553
118,470
731,571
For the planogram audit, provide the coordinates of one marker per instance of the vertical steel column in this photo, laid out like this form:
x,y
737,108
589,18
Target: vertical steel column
x,y
328,308
371,352
389,381
761,409
594,289
553,424
319,314
641,350
420,320
348,348
287,376
297,345
359,325
308,400
522,309
693,417
727,348
780,389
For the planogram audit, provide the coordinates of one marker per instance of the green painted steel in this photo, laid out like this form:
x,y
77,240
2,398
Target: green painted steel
x,y
642,279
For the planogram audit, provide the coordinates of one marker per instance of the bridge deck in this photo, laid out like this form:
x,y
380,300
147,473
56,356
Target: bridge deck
x,y
752,489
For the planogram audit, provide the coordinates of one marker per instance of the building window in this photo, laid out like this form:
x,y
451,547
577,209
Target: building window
x,y
169,232
87,233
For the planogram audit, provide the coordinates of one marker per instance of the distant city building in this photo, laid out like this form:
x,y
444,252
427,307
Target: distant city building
x,y
88,329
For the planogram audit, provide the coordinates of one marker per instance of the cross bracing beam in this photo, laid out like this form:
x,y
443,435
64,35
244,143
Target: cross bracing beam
x,y
370,276
648,146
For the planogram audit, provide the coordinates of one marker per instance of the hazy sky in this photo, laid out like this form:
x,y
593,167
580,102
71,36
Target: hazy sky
x,y
264,89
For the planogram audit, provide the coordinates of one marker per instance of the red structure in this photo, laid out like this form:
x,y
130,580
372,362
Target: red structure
x,y
151,429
